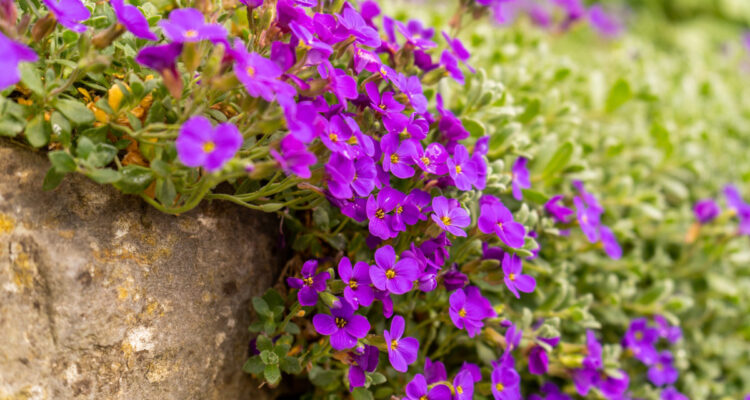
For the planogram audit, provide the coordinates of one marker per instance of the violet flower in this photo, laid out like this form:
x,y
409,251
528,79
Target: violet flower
x,y
706,210
450,63
391,276
434,371
495,218
365,35
463,383
188,25
458,49
310,284
397,158
611,387
606,24
13,54
551,392
593,358
412,88
69,13
259,75
449,216
201,145
401,351
520,176
663,372
454,279
358,291
343,326
378,209
538,360
672,333
588,219
383,104
417,390
416,36
294,157
132,19
671,393
432,160
364,361
514,279
341,172
468,309
505,383
559,212
449,124
461,169
363,181
339,82
640,338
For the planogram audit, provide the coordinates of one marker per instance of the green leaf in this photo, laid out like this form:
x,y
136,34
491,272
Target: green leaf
x,y
321,377
102,155
84,147
261,307
271,207
292,328
377,378
62,161
10,126
656,293
262,342
135,179
475,128
104,176
272,374
559,160
52,179
254,365
38,131
619,94
534,196
531,111
31,78
165,191
75,112
61,128
290,365
361,393
269,357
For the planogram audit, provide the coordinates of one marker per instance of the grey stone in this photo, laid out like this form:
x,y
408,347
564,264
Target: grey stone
x,y
103,297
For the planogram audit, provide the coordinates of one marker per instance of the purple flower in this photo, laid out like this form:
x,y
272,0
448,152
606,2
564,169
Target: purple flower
x,y
706,210
13,53
352,21
343,326
606,24
339,82
358,291
391,276
378,209
398,158
672,333
495,218
458,49
551,392
252,3
588,219
449,124
162,57
505,383
417,390
593,359
449,215
559,212
461,169
200,145
611,387
434,371
432,159
464,385
538,360
520,177
416,36
450,63
514,279
294,157
133,20
671,393
468,309
609,240
259,75
401,351
364,361
341,172
574,8
384,104
69,13
188,25
412,88
640,338
662,372
454,279
310,284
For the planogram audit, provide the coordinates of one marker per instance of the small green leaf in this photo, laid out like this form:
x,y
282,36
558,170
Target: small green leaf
x,y
104,176
135,179
61,128
531,111
269,357
377,378
62,161
165,191
38,131
290,365
75,112
292,328
260,306
254,365
52,179
272,374
102,155
262,342
559,160
619,94
475,128
534,196
361,393
31,78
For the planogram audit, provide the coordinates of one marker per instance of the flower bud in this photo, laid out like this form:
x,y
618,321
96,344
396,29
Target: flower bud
x,y
191,56
329,299
43,27
8,13
106,37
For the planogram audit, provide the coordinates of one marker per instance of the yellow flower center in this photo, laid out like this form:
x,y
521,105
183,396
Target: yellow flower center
x,y
405,134
250,71
500,225
383,72
209,146
353,284
424,398
446,220
191,33
308,281
584,219
499,386
512,276
462,313
340,322
334,137
394,344
399,210
425,160
352,140
459,390
382,106
390,273
659,366
639,335
394,158
380,213
458,169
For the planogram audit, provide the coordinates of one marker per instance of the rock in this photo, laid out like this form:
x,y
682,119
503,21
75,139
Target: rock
x,y
103,297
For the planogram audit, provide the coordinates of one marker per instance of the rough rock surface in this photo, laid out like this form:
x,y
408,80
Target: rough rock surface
x,y
103,297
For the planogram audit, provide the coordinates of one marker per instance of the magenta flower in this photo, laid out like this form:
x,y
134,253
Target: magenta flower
x,y
640,338
495,218
294,157
463,383
432,159
132,19
450,63
514,279
671,393
343,326
450,125
605,23
188,25
201,145
449,215
505,383
259,75
310,284
401,351
468,309
663,371
706,210
588,219
13,53
461,169
434,371
358,291
538,360
417,390
458,49
364,361
252,3
352,21
341,172
398,158
391,276
378,209
384,104
609,240
672,333
69,13
412,88
520,177
559,212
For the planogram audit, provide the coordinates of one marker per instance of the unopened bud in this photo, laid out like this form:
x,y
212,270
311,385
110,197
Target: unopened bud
x,y
106,37
43,27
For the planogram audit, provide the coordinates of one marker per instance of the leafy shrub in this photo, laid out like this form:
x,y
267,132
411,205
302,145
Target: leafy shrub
x,y
525,229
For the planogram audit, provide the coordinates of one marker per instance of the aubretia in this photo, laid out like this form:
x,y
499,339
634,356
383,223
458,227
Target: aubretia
x,y
201,145
514,279
69,13
391,276
188,25
417,389
13,54
520,177
495,218
468,310
343,326
402,351
310,284
133,20
706,210
449,216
